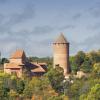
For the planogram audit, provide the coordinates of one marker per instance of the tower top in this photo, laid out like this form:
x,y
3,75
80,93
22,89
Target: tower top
x,y
18,54
61,39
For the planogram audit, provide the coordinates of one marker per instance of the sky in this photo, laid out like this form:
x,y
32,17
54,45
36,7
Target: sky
x,y
33,25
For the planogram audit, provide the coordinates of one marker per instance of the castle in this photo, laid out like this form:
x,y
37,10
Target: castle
x,y
18,60
61,54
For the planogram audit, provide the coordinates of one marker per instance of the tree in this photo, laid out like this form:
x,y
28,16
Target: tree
x,y
13,82
4,60
79,59
20,86
86,66
56,79
13,95
74,90
4,87
94,57
33,88
96,69
74,67
94,93
3,91
39,87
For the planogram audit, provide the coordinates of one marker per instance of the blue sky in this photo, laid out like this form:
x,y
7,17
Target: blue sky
x,y
33,25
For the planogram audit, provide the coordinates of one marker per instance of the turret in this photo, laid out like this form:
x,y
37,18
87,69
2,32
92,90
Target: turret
x,y
61,54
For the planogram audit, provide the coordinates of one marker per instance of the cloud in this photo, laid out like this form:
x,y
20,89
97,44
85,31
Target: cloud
x,y
8,21
35,46
91,42
46,29
9,42
95,26
95,10
27,13
42,29
66,27
19,30
1,18
74,47
32,44
76,16
9,46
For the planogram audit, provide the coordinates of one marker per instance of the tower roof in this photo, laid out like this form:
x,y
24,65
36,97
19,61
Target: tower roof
x,y
18,54
61,39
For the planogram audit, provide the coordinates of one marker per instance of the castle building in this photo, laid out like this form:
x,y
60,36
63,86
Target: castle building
x,y
18,62
61,54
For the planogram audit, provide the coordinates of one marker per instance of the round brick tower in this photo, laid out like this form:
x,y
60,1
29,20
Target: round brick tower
x,y
61,54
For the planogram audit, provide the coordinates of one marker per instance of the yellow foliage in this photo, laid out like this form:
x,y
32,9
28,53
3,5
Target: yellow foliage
x,y
66,98
97,67
12,93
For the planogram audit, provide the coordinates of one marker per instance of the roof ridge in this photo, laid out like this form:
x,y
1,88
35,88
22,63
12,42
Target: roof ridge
x,y
39,68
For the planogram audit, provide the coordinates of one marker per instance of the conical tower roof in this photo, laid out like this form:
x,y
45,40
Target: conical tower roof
x,y
18,54
61,39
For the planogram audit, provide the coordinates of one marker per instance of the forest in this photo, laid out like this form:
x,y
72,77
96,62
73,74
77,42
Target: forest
x,y
53,85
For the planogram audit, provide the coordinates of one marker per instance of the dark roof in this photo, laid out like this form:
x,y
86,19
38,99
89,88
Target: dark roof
x,y
61,39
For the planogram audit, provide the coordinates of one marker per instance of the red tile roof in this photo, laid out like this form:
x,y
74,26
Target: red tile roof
x,y
38,68
18,54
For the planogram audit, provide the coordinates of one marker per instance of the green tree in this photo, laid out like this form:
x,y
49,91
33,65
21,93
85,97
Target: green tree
x,y
56,79
79,59
94,93
74,67
3,91
20,86
94,57
4,60
74,91
96,70
34,87
13,95
86,66
13,82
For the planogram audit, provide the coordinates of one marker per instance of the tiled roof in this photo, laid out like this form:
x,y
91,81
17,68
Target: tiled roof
x,y
12,65
38,68
18,54
61,39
